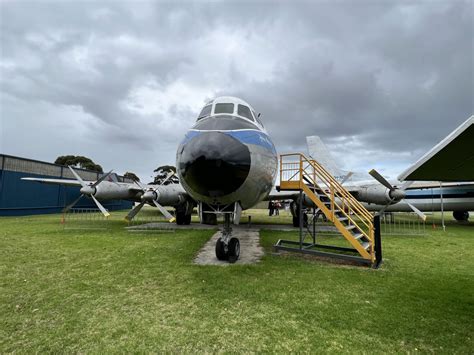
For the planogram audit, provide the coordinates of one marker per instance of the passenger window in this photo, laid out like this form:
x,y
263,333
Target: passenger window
x,y
245,112
224,108
206,111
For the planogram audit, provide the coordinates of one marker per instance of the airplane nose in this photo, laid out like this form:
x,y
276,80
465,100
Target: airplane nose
x,y
214,164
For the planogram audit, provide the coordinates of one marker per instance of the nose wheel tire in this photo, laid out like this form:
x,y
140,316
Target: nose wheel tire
x,y
234,250
220,250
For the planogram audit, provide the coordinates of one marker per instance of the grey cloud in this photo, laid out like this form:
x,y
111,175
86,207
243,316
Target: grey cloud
x,y
394,77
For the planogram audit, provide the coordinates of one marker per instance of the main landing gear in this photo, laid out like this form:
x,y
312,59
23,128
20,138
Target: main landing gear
x,y
227,247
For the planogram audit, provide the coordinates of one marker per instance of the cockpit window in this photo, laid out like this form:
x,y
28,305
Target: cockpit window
x,y
206,111
224,108
245,112
257,119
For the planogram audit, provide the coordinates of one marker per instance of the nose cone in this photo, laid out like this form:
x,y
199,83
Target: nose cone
x,y
87,190
214,164
149,196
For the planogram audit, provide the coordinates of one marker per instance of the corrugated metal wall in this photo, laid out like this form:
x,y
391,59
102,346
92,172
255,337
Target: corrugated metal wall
x,y
18,197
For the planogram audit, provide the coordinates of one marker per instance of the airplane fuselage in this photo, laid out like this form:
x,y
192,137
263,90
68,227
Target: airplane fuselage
x,y
226,158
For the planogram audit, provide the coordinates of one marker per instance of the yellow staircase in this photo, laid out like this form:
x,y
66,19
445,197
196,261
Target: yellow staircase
x,y
349,216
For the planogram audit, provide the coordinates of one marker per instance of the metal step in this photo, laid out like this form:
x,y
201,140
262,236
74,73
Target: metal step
x,y
342,219
358,236
350,226
365,245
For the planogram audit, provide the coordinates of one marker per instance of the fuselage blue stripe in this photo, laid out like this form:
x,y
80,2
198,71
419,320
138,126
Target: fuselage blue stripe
x,y
254,137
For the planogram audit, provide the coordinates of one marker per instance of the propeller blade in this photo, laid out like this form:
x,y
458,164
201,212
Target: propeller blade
x,y
140,185
101,208
417,211
349,174
133,212
375,174
71,205
102,178
385,207
168,177
165,213
78,178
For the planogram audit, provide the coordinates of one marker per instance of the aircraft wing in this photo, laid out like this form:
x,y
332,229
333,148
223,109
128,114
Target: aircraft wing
x,y
69,182
276,195
281,195
450,160
65,182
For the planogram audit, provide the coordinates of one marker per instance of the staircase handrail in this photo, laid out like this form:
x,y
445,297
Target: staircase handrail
x,y
336,190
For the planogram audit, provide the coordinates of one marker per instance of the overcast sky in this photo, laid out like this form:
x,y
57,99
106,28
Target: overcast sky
x,y
380,81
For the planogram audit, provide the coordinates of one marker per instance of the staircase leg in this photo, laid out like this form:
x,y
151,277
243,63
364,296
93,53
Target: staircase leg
x,y
377,242
301,217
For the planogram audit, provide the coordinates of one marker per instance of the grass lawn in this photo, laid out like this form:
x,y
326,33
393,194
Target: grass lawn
x,y
107,290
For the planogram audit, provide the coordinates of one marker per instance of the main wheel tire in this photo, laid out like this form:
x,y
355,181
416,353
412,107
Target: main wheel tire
x,y
180,218
209,218
187,219
220,250
234,250
296,221
461,215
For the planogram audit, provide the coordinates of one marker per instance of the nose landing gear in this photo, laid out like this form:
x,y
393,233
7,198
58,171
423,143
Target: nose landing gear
x,y
227,247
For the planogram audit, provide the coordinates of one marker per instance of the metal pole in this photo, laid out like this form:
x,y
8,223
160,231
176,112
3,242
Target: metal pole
x,y
301,218
442,205
377,241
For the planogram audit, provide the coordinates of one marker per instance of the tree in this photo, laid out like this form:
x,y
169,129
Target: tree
x,y
131,176
78,162
161,174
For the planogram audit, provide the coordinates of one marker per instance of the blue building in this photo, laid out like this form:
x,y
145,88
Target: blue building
x,y
19,197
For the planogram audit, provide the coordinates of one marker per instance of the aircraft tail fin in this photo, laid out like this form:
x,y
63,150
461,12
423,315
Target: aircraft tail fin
x,y
319,152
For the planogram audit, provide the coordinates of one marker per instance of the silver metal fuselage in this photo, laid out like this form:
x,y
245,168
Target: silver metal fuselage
x,y
207,156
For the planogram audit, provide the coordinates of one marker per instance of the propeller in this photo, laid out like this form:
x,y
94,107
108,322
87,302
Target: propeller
x,y
349,174
396,194
150,195
88,190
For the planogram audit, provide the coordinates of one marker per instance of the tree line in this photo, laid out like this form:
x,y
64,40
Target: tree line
x,y
82,162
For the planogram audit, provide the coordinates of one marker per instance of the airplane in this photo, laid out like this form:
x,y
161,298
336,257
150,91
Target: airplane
x,y
226,163
455,169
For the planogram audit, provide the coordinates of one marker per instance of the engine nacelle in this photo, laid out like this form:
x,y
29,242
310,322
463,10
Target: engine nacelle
x,y
111,191
171,195
378,195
